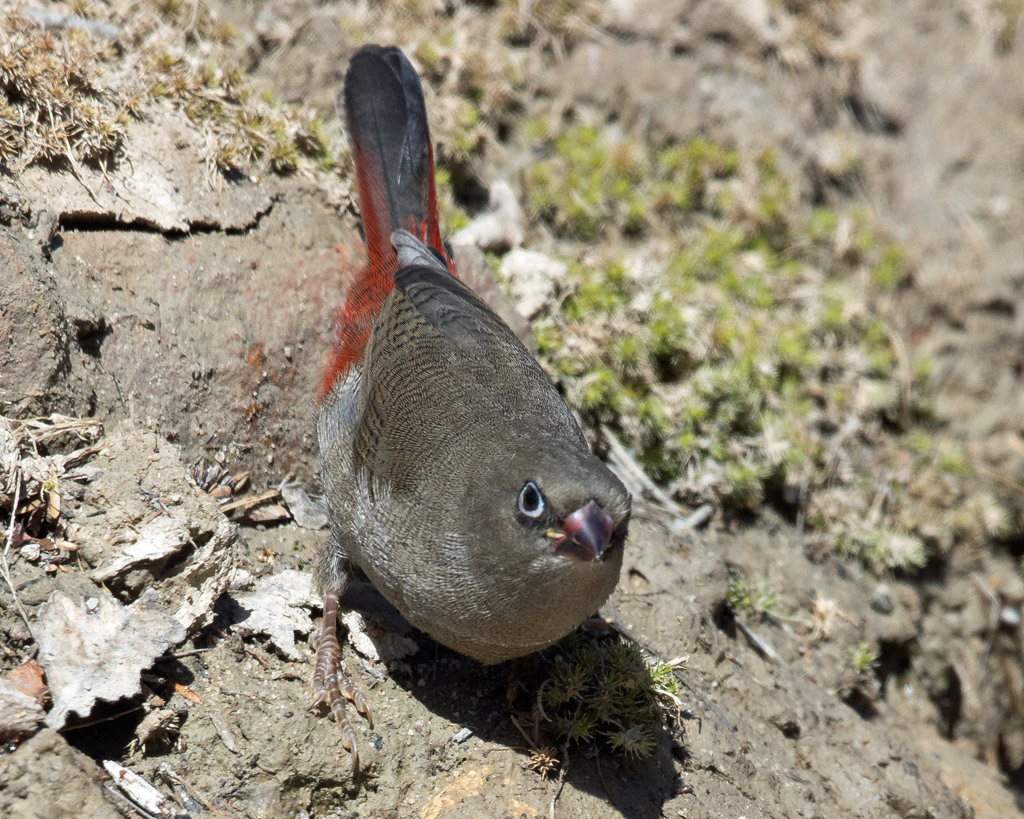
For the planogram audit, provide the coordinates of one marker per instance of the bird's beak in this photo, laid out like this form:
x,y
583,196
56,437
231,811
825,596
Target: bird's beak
x,y
585,533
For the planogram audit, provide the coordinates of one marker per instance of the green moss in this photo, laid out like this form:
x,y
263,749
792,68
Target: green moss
x,y
751,357
821,226
953,461
864,238
564,20
1008,16
863,659
244,128
599,290
627,353
751,596
429,56
57,106
589,181
601,393
774,201
891,270
743,485
537,129
453,217
608,690
467,133
64,95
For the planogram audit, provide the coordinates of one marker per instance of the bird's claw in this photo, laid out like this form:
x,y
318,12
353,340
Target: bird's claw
x,y
330,684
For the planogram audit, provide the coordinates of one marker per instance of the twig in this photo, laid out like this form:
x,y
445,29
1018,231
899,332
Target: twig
x,y
54,20
113,790
7,547
760,645
255,656
632,474
604,784
903,371
224,733
98,720
561,781
532,745
251,501
147,799
997,476
621,458
191,652
697,518
800,512
995,606
176,781
708,704
43,428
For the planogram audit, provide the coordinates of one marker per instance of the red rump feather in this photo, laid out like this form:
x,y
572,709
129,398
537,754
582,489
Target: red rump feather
x,y
382,103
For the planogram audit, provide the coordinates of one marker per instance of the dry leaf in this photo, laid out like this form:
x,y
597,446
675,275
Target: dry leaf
x,y
188,693
28,679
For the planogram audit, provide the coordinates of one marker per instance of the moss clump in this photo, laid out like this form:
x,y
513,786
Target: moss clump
x,y
1007,23
68,96
863,659
246,129
55,107
705,374
561,23
751,596
589,182
745,358
608,690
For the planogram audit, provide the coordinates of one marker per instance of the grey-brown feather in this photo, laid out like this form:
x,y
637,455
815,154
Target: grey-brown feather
x,y
424,449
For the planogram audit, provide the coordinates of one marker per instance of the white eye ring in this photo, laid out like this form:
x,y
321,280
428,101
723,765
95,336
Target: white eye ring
x,y
531,501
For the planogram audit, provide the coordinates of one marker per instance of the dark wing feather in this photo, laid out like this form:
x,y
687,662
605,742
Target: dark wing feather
x,y
443,370
455,311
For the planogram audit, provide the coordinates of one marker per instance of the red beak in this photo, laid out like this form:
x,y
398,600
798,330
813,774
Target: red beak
x,y
587,532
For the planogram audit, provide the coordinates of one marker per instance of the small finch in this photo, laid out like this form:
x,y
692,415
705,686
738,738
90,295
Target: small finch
x,y
456,477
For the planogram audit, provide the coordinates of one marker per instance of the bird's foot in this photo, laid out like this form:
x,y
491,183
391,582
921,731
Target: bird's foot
x,y
330,684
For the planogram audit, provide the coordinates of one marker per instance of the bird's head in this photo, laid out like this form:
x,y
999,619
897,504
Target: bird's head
x,y
581,513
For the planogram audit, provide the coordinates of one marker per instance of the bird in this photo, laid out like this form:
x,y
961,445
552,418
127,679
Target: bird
x,y
456,477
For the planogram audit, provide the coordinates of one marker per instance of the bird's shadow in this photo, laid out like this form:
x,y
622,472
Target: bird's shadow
x,y
489,700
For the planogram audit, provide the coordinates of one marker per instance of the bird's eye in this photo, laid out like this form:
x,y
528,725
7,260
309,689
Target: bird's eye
x,y
531,501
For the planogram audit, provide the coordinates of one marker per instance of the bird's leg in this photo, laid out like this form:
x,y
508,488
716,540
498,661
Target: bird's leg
x,y
330,684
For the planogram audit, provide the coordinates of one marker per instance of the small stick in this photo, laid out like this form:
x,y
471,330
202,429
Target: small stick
x,y
760,645
255,656
6,569
191,652
250,502
561,781
98,720
628,463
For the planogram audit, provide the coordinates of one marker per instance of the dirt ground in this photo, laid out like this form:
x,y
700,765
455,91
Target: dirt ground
x,y
192,322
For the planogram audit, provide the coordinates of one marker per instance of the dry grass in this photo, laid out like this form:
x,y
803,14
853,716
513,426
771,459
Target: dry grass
x,y
70,88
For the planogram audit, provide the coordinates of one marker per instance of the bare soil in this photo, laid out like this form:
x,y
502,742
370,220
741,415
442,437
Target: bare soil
x,y
198,332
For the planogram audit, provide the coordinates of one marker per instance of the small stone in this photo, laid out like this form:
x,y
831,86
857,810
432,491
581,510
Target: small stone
x,y
533,279
30,551
882,599
500,227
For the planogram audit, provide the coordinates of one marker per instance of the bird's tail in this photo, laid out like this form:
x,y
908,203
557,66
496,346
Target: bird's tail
x,y
382,105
